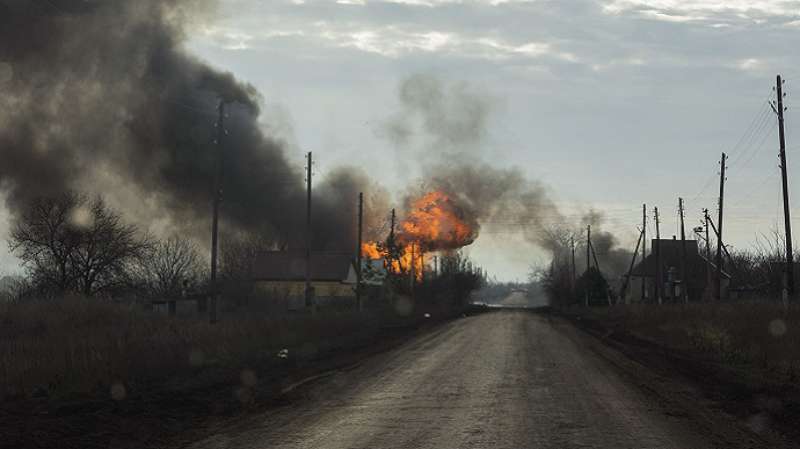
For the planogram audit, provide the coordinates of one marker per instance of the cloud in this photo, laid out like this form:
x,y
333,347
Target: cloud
x,y
703,7
750,64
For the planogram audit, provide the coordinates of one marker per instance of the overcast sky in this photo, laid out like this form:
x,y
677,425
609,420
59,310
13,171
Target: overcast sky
x,y
611,103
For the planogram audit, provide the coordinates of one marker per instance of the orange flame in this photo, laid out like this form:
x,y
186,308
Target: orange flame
x,y
434,222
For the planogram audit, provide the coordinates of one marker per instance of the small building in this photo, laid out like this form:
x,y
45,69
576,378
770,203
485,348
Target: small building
x,y
281,275
700,274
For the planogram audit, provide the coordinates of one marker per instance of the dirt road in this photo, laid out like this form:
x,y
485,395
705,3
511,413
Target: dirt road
x,y
509,379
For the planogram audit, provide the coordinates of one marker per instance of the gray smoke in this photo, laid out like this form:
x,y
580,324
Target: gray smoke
x,y
100,95
447,123
613,260
437,121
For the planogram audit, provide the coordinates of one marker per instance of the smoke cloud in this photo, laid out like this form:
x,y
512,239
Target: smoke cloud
x,y
448,124
100,96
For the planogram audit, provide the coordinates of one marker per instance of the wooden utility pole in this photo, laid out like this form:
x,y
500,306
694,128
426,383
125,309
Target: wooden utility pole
x,y
644,250
412,279
212,317
786,211
359,268
719,222
708,250
309,292
708,242
684,280
594,257
573,278
390,250
724,247
588,261
597,267
658,258
627,280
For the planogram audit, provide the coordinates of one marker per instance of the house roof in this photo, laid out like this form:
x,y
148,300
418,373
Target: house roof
x,y
291,266
670,250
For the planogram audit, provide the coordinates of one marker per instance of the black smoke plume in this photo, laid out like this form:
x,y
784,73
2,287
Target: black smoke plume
x,y
100,95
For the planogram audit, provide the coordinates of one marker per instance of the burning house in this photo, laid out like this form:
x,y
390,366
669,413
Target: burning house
x,y
434,222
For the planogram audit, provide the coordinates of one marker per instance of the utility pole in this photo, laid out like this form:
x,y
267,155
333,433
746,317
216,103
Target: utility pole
x,y
627,281
358,249
412,272
309,293
597,268
212,317
724,247
786,218
708,249
708,242
658,258
588,261
390,242
684,280
572,246
594,257
719,222
644,250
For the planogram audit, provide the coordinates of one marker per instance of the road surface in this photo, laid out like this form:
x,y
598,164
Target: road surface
x,y
509,379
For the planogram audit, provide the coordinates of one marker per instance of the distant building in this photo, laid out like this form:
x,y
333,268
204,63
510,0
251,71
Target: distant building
x,y
700,274
282,274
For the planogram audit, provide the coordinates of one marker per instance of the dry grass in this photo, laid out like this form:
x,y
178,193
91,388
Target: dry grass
x,y
85,346
757,335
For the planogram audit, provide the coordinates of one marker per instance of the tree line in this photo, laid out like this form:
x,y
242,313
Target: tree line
x,y
75,244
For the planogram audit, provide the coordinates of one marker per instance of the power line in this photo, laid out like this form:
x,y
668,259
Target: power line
x,y
749,130
754,129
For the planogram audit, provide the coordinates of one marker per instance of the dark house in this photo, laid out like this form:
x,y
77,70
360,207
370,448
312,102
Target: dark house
x,y
282,274
700,274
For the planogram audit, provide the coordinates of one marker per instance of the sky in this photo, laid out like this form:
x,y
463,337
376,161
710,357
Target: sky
x,y
608,103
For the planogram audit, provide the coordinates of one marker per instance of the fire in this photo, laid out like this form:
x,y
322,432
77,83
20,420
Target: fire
x,y
434,222
371,251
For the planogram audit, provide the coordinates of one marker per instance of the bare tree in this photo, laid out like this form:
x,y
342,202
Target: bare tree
x,y
69,243
172,265
45,239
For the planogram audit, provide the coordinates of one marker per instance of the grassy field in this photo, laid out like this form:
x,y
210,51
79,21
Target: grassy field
x,y
761,337
81,346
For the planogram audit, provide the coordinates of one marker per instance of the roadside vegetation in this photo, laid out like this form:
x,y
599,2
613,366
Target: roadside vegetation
x,y
81,322
759,338
86,346
754,332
